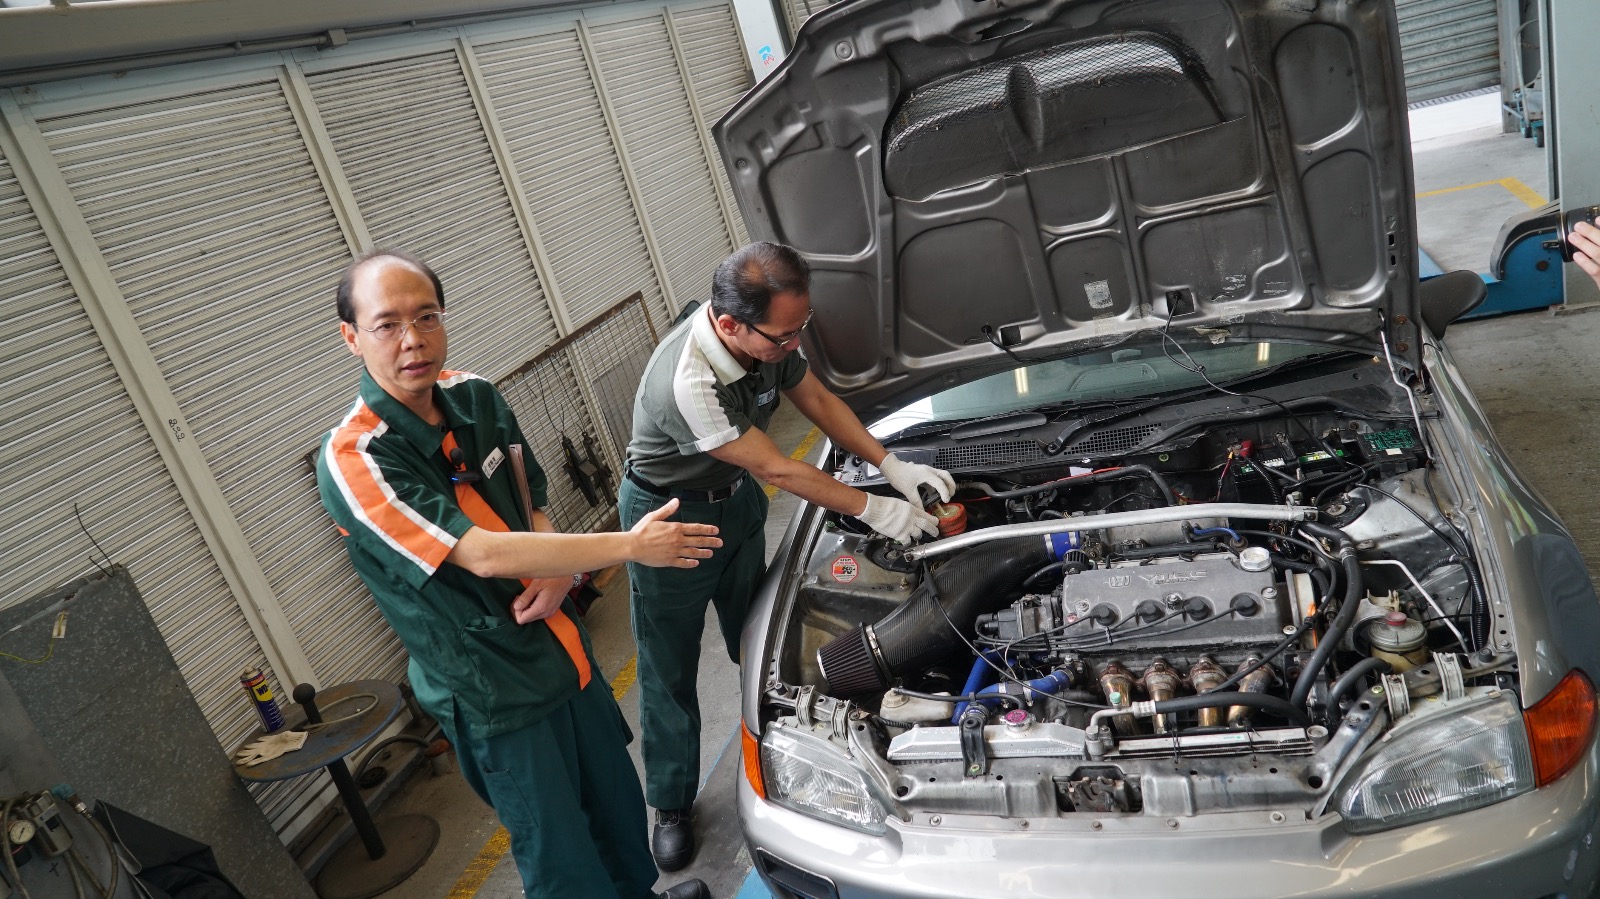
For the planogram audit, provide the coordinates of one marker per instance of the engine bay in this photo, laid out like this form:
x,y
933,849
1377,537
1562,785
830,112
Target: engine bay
x,y
1221,622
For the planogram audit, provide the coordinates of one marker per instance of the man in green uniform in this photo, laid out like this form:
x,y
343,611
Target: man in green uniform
x,y
422,478
709,390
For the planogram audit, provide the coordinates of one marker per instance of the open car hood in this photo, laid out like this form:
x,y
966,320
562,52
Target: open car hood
x,y
973,180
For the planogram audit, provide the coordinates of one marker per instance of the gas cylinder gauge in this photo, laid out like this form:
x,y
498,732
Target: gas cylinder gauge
x,y
20,832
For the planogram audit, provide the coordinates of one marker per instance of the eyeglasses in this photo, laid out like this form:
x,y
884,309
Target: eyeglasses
x,y
788,338
426,323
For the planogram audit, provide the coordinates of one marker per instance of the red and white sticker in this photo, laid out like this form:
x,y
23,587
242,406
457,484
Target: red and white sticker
x,y
845,569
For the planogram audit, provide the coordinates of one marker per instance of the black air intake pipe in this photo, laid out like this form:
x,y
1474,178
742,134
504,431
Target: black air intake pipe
x,y
982,579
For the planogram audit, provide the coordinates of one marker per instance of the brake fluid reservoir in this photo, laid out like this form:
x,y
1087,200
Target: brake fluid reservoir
x,y
1398,640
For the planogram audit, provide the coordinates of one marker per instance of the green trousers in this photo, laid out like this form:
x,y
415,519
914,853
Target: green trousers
x,y
566,790
669,612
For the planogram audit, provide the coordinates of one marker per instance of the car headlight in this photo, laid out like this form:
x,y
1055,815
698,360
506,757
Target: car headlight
x,y
813,777
1441,765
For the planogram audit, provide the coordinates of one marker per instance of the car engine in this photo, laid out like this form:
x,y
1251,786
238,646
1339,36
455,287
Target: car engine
x,y
1219,622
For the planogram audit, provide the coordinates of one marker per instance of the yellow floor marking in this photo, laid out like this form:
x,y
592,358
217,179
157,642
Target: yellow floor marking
x,y
1515,186
806,443
489,856
625,678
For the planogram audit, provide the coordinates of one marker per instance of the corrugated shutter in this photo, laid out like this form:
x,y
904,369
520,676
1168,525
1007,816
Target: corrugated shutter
x,y
75,438
719,75
415,154
651,107
1448,46
555,129
221,239
797,11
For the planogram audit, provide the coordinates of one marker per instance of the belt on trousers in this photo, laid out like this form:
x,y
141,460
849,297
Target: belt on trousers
x,y
714,495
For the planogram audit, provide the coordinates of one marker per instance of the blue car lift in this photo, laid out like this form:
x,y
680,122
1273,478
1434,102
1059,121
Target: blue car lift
x,y
1525,265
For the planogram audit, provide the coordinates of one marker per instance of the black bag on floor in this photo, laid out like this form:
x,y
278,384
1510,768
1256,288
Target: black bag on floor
x,y
165,865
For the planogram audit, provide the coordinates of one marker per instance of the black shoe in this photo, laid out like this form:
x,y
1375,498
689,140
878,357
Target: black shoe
x,y
672,842
689,889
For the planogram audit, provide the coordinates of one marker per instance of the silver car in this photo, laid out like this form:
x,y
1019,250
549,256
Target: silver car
x,y
1239,596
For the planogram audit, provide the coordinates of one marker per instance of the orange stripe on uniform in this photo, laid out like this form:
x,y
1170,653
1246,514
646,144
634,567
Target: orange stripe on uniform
x,y
379,510
482,515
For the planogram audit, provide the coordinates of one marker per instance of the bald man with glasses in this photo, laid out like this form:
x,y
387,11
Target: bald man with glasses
x,y
440,513
709,391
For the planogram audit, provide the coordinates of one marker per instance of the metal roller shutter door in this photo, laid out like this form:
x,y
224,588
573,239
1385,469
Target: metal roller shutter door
x,y
416,157
555,129
1448,46
797,11
66,404
650,104
216,227
719,75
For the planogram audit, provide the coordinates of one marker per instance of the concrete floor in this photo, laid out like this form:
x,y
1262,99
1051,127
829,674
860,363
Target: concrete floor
x,y
1534,374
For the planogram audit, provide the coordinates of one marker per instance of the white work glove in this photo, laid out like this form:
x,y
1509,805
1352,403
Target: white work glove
x,y
897,519
269,747
906,477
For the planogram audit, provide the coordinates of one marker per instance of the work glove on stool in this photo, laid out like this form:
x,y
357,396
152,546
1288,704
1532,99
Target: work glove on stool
x,y
269,747
689,889
672,840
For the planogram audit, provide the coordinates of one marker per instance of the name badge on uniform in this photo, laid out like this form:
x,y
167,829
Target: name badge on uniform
x,y
492,462
765,398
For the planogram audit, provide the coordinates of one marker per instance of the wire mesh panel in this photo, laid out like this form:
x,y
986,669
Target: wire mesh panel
x,y
582,390
549,406
611,358
415,153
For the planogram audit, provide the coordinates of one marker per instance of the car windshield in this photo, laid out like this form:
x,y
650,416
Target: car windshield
x,y
1138,368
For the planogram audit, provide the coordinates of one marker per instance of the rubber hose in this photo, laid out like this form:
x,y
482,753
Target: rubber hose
x,y
1045,686
1354,587
1039,575
1350,678
1479,625
975,679
1095,478
1264,701
379,747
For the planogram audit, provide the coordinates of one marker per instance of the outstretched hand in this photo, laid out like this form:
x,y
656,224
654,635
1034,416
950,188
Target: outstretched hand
x,y
672,544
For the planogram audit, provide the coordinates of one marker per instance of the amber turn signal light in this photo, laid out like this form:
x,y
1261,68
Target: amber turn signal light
x,y
1560,727
750,750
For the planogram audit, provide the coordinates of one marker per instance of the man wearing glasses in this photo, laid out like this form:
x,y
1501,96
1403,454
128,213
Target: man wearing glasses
x,y
708,392
443,525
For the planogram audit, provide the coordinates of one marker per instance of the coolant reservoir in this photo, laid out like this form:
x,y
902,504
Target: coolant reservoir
x,y
1398,640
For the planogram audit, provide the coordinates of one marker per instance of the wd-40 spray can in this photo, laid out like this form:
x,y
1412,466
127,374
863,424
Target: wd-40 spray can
x,y
255,683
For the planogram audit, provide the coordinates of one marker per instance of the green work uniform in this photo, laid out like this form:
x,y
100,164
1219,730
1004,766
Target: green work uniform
x,y
694,398
507,695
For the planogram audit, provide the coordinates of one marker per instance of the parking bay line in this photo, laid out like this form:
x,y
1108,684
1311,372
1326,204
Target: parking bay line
x,y
1515,186
488,858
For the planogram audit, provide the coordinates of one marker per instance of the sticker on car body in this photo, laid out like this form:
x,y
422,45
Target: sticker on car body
x,y
845,569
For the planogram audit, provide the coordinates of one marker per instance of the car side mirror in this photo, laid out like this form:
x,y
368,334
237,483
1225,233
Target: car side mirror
x,y
1450,296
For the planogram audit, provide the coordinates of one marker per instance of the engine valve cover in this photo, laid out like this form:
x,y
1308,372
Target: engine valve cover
x,y
1136,610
